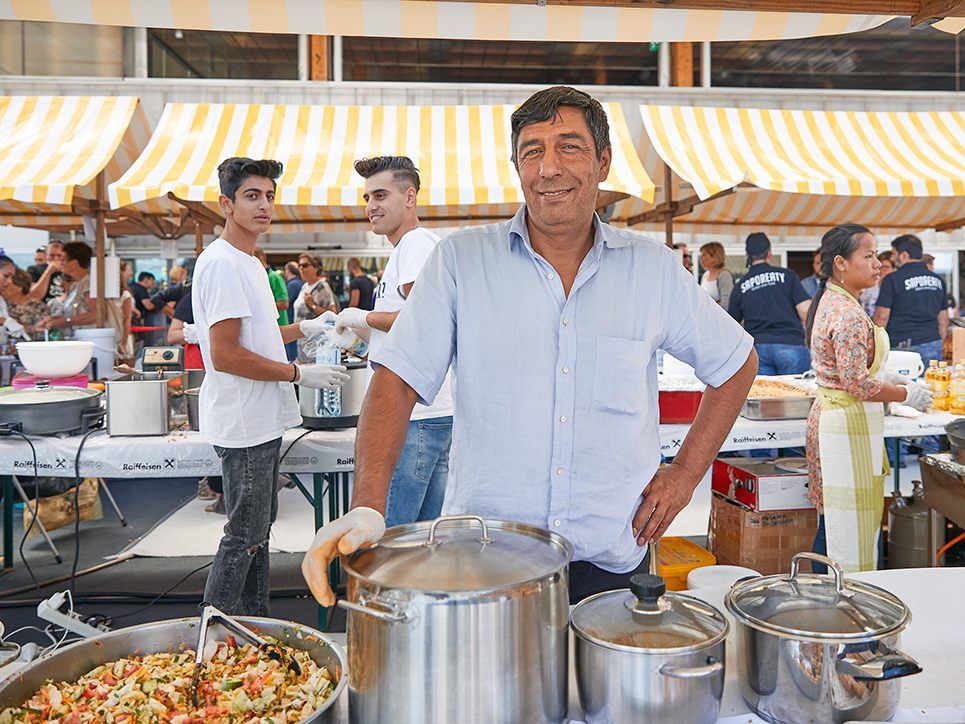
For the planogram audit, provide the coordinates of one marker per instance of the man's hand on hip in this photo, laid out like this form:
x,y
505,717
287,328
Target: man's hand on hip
x,y
343,535
351,318
667,494
311,327
322,377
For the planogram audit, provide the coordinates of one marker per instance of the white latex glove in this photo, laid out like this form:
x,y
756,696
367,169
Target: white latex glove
x,y
190,333
311,327
893,378
15,328
343,535
917,396
351,318
322,377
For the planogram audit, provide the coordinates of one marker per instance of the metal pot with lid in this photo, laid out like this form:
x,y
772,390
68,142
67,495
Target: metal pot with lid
x,y
459,619
645,654
45,410
819,648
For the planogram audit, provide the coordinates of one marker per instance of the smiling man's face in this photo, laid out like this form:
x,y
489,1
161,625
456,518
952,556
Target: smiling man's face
x,y
559,170
387,201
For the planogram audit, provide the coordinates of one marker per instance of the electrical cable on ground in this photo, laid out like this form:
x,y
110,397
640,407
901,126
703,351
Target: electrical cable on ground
x,y
161,595
36,508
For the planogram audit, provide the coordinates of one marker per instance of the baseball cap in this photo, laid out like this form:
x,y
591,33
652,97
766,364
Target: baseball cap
x,y
757,244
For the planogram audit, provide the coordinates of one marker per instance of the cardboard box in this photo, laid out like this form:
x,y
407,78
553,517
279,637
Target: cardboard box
x,y
760,485
958,346
763,541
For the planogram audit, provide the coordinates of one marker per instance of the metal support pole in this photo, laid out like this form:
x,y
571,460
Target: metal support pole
x,y
705,64
663,65
303,59
318,489
101,245
7,522
337,58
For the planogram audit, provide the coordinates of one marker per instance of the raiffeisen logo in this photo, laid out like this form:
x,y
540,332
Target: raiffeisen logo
x,y
140,466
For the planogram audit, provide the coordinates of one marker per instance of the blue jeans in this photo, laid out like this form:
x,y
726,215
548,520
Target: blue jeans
x,y
419,482
291,349
928,351
238,581
782,359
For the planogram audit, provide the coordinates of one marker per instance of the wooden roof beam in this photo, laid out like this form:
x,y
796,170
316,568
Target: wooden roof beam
x,y
931,11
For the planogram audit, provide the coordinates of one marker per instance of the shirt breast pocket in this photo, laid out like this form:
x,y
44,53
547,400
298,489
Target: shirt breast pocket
x,y
619,380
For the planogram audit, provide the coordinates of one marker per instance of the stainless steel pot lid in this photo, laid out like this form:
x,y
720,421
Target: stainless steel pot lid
x,y
45,395
817,607
461,553
647,618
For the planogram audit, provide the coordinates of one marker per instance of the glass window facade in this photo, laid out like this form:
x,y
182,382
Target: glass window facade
x,y
61,49
203,54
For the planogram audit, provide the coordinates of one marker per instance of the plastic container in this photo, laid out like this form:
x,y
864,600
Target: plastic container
x,y
54,359
677,557
678,407
22,381
718,576
103,339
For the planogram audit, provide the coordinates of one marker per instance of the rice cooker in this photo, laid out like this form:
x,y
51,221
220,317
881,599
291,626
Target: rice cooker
x,y
335,409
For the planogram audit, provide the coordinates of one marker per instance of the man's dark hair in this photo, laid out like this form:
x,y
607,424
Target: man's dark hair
x,y
41,249
233,171
144,275
292,267
402,168
545,105
78,251
908,243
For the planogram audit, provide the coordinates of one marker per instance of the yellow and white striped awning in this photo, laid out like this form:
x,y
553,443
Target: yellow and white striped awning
x,y
463,154
53,147
811,169
450,19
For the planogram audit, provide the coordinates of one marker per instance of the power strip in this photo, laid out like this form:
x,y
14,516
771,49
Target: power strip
x,y
49,610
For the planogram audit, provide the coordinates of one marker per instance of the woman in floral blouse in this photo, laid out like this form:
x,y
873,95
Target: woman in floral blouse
x,y
29,312
845,430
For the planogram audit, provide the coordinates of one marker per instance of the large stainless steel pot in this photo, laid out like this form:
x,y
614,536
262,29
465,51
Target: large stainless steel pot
x,y
72,662
649,655
818,648
459,620
52,410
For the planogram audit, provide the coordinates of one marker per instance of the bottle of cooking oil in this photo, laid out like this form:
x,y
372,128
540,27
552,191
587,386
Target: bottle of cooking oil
x,y
930,374
956,397
944,380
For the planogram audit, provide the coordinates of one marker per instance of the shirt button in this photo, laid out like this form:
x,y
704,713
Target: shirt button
x,y
549,275
565,321
566,370
562,418
559,471
557,522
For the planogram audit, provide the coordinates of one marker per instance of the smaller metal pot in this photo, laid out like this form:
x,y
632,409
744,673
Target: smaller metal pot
x,y
193,398
649,655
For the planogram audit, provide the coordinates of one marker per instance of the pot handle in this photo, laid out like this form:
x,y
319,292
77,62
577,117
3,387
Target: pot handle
x,y
379,609
890,665
712,667
838,573
431,541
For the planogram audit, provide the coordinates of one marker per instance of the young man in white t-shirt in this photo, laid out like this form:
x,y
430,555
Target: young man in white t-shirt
x,y
247,399
419,482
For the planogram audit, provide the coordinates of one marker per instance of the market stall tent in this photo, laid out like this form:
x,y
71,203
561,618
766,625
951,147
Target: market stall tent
x,y
463,154
801,171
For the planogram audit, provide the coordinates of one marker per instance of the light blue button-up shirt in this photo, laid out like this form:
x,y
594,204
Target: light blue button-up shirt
x,y
556,415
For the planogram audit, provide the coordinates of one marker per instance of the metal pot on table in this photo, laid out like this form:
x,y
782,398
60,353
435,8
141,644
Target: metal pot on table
x,y
956,438
818,648
648,655
45,410
459,620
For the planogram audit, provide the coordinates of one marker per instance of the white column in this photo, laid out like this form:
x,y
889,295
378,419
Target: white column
x,y
140,52
337,58
705,64
663,65
303,60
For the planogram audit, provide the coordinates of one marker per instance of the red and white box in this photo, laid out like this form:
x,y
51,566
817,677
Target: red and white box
x,y
762,484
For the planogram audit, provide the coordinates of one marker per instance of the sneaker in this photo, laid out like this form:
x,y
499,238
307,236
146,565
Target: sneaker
x,y
217,506
204,491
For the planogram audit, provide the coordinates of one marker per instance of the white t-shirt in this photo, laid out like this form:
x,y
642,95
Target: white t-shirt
x,y
236,412
405,263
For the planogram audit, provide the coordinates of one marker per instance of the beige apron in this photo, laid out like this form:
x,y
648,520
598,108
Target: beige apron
x,y
853,467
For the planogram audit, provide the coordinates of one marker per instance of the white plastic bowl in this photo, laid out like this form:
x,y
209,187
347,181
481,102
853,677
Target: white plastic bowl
x,y
55,359
714,576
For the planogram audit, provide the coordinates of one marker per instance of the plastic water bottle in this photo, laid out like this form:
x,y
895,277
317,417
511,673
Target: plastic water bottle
x,y
327,352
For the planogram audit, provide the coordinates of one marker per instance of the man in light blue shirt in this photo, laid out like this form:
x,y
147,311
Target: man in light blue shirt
x,y
551,323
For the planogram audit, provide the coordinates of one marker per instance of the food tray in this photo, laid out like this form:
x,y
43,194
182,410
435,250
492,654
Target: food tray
x,y
777,408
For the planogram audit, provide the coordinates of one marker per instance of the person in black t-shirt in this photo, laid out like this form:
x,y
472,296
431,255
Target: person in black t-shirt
x,y
362,289
141,290
911,303
51,283
772,305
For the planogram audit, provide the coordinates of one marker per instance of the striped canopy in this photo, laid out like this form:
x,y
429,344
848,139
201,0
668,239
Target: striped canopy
x,y
804,171
463,154
450,19
53,147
